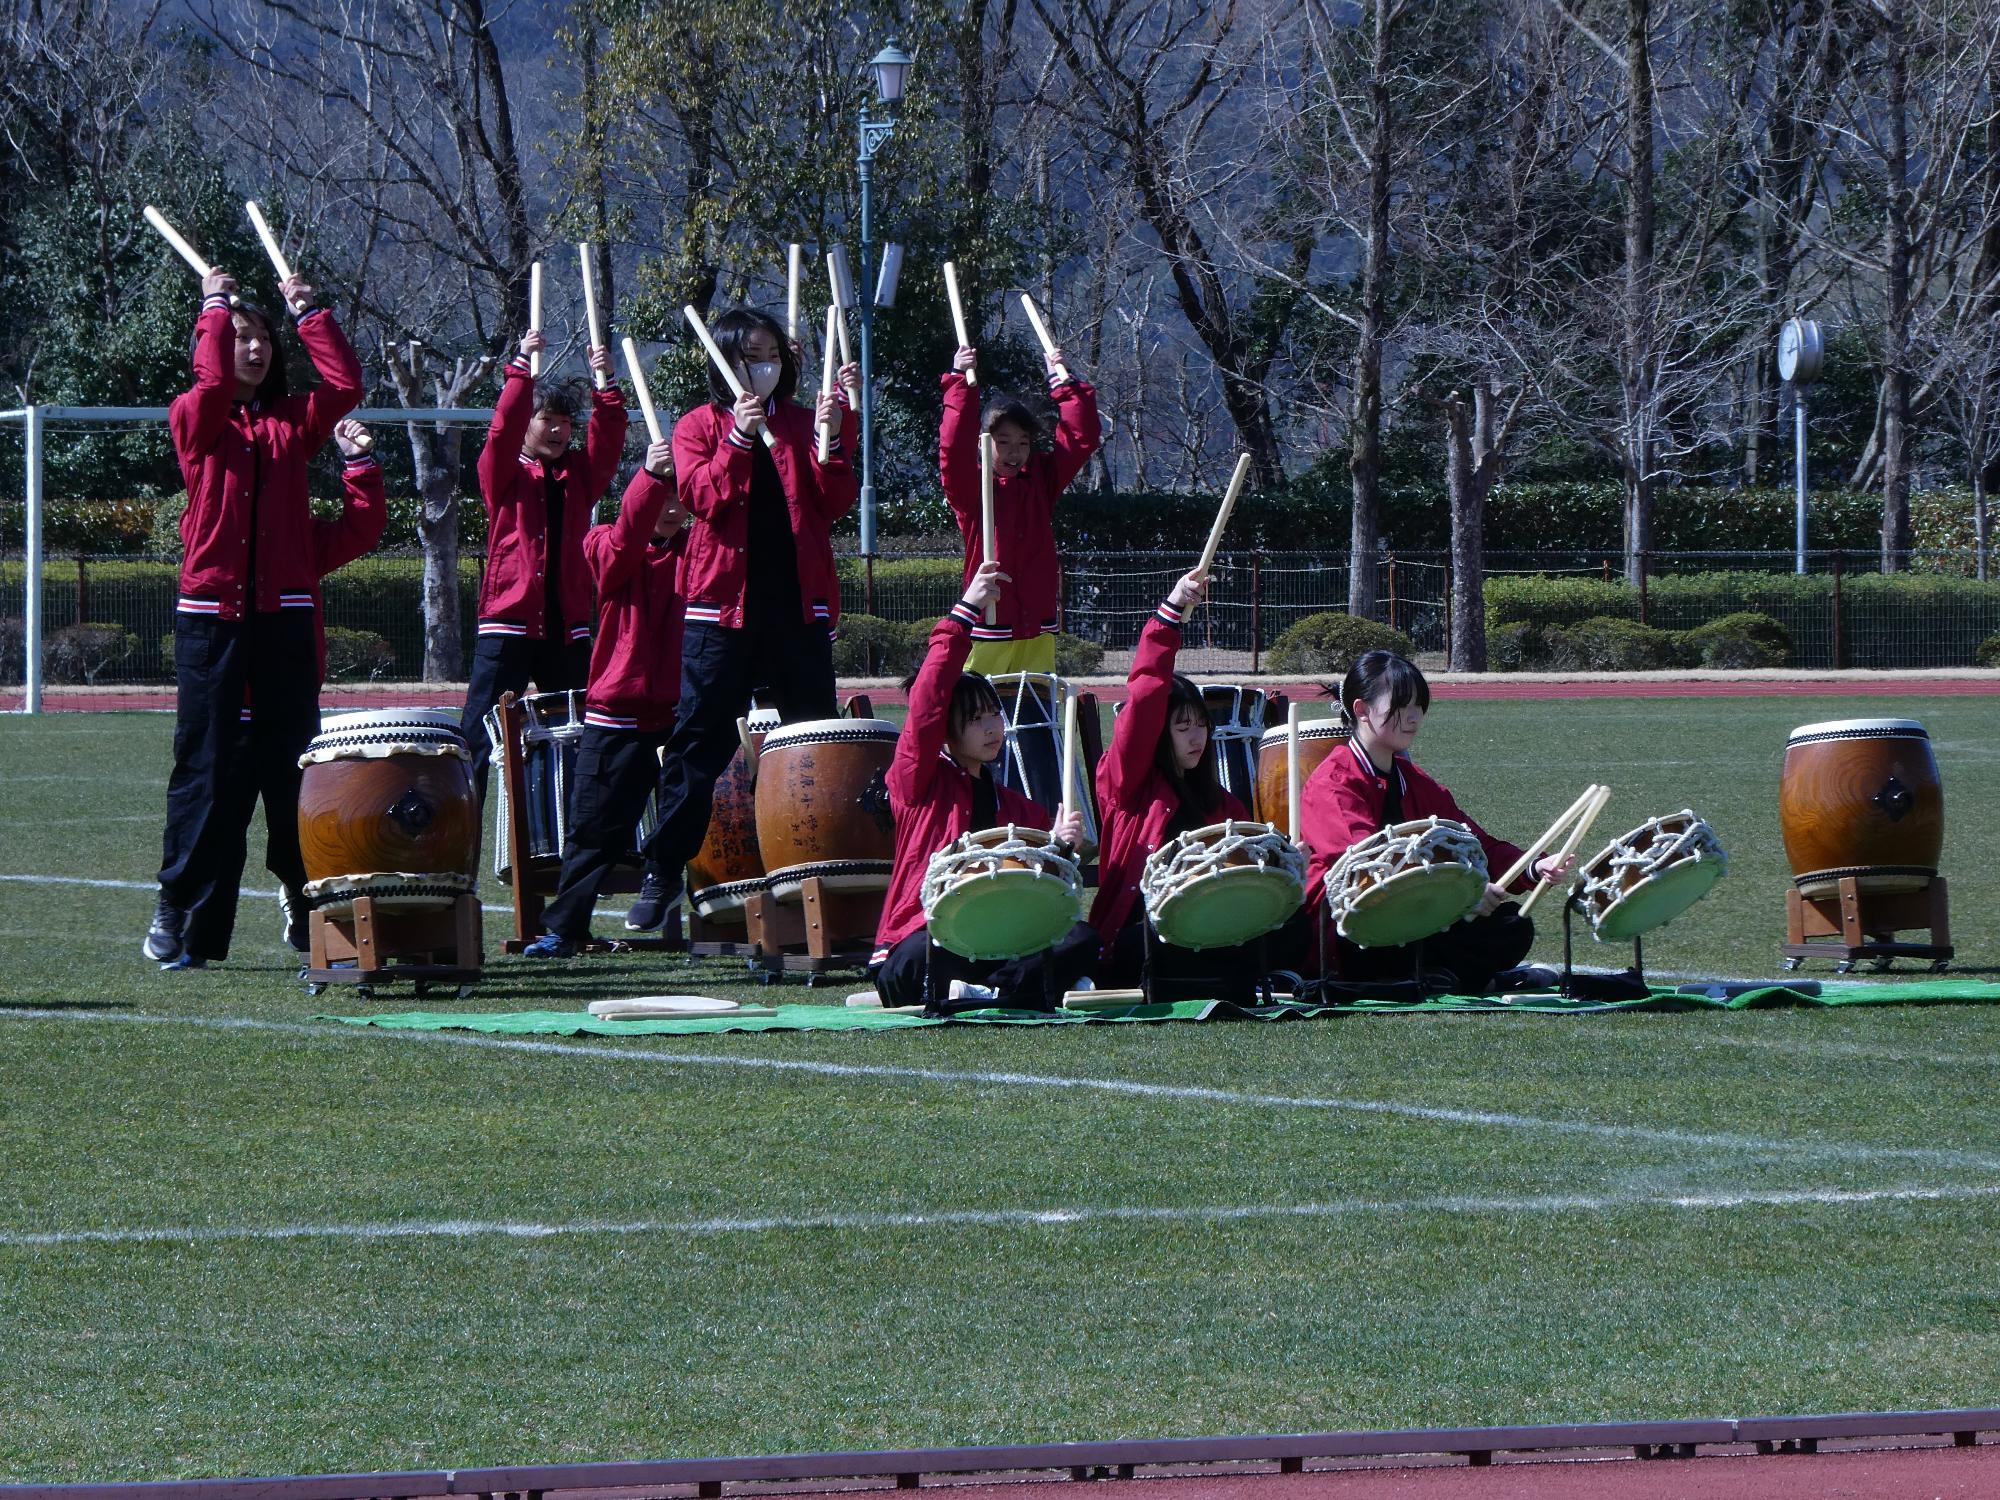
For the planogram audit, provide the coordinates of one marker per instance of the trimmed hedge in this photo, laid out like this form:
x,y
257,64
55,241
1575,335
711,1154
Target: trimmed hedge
x,y
1988,654
1328,644
83,653
1742,639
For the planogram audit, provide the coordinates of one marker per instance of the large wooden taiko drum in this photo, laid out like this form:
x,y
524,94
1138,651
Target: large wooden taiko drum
x,y
1861,797
1317,741
386,810
823,805
727,869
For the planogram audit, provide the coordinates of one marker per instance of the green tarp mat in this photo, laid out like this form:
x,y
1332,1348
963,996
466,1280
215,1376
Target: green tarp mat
x,y
842,1018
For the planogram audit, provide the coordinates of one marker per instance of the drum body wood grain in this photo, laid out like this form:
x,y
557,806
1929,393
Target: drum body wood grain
x,y
1317,741
1861,797
385,798
822,804
728,867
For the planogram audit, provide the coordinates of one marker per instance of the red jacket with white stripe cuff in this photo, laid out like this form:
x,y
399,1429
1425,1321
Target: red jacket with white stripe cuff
x,y
513,596
712,466
1135,797
635,665
1023,506
248,513
1343,802
364,512
930,794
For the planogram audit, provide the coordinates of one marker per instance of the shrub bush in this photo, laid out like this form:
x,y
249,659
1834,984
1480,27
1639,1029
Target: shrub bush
x,y
1742,639
898,647
1988,654
357,655
1077,657
80,653
1328,644
14,652
1610,643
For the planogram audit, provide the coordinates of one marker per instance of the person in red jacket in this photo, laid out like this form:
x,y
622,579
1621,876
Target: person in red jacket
x,y
1372,784
762,595
245,627
635,680
1156,782
535,602
1026,486
941,786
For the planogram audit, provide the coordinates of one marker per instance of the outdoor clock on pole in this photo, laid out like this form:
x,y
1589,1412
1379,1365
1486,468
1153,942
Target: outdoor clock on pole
x,y
1801,351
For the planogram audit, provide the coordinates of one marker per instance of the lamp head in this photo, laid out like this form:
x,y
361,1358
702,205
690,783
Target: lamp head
x,y
890,64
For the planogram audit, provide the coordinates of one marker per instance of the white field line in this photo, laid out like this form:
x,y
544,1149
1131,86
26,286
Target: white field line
x,y
1768,1146
147,885
1000,1218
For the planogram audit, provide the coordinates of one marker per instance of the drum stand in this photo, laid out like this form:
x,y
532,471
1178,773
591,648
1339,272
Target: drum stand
x,y
1159,988
1629,984
440,945
1863,924
826,925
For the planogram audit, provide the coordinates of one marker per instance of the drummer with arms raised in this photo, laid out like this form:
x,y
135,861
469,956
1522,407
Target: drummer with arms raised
x,y
941,786
1373,785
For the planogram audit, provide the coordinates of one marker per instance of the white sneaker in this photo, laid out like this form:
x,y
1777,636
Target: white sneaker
x,y
961,990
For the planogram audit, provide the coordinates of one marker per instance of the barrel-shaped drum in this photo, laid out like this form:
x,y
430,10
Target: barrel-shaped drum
x,y
822,804
1317,741
1032,704
727,869
1861,797
386,809
1236,722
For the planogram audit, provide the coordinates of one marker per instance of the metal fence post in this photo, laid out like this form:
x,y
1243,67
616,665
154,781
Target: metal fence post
x,y
31,632
1256,608
1838,653
868,599
1642,590
1392,591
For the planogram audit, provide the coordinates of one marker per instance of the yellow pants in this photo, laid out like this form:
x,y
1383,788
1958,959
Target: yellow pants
x,y
991,658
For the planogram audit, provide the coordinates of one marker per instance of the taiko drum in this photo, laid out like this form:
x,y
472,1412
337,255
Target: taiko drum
x,y
1861,797
727,868
1317,741
386,797
822,804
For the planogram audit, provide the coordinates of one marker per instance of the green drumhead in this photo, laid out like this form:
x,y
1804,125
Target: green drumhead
x,y
1231,906
1413,904
1007,914
1656,902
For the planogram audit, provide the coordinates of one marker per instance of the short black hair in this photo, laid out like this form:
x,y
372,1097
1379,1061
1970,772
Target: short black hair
x,y
1012,409
1379,670
729,333
971,696
1200,791
562,395
276,383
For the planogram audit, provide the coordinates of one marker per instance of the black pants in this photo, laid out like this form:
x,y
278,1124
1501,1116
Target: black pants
x,y
1037,982
507,664
1465,956
719,668
616,770
1231,974
222,764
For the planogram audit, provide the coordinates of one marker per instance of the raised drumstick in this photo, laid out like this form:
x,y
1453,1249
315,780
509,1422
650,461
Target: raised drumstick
x,y
1042,333
1222,516
257,222
638,373
794,257
958,317
826,374
1576,836
173,237
1292,766
1549,836
843,295
987,537
535,314
1069,804
722,366
590,307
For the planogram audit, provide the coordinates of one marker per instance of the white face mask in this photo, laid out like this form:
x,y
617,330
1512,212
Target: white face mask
x,y
764,378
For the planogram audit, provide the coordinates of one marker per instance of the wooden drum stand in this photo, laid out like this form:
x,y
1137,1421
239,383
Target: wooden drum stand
x,y
437,945
1863,924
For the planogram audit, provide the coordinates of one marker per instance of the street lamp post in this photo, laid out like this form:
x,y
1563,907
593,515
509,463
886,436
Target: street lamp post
x,y
889,65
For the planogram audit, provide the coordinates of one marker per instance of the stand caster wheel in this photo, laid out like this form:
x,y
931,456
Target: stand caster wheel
x,y
1845,966
364,992
1793,965
1881,965
463,992
1940,966
423,987
315,990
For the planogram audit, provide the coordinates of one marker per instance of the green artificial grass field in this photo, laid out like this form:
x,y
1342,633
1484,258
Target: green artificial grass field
x,y
234,1240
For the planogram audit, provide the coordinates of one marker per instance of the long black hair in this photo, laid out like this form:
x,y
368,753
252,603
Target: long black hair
x,y
730,330
971,696
1379,670
276,384
1200,792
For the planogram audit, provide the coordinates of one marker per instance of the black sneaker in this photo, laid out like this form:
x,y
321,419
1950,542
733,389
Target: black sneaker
x,y
651,906
164,938
296,917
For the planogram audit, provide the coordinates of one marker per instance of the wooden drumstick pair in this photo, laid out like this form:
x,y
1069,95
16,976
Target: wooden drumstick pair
x,y
1578,818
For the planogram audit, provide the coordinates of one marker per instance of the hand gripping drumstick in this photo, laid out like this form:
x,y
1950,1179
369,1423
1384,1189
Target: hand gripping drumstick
x,y
1548,837
792,261
638,374
826,374
590,308
1292,766
722,366
181,247
1068,805
958,317
1576,836
1222,516
987,538
1042,333
535,314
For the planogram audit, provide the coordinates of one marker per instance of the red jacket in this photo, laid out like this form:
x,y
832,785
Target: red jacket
x,y
1134,796
713,467
364,512
1342,802
635,667
245,465
513,596
930,794
1023,507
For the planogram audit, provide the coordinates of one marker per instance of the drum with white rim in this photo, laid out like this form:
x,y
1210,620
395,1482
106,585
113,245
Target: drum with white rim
x,y
1031,761
728,869
822,805
1236,725
1317,740
1861,798
1406,882
1649,876
1001,893
1223,885
551,730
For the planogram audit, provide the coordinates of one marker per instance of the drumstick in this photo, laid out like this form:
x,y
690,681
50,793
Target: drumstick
x,y
843,295
1068,757
1548,837
793,260
826,372
1576,835
1222,516
590,309
181,247
638,373
270,240
958,317
986,529
535,314
722,365
1292,765
1042,333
